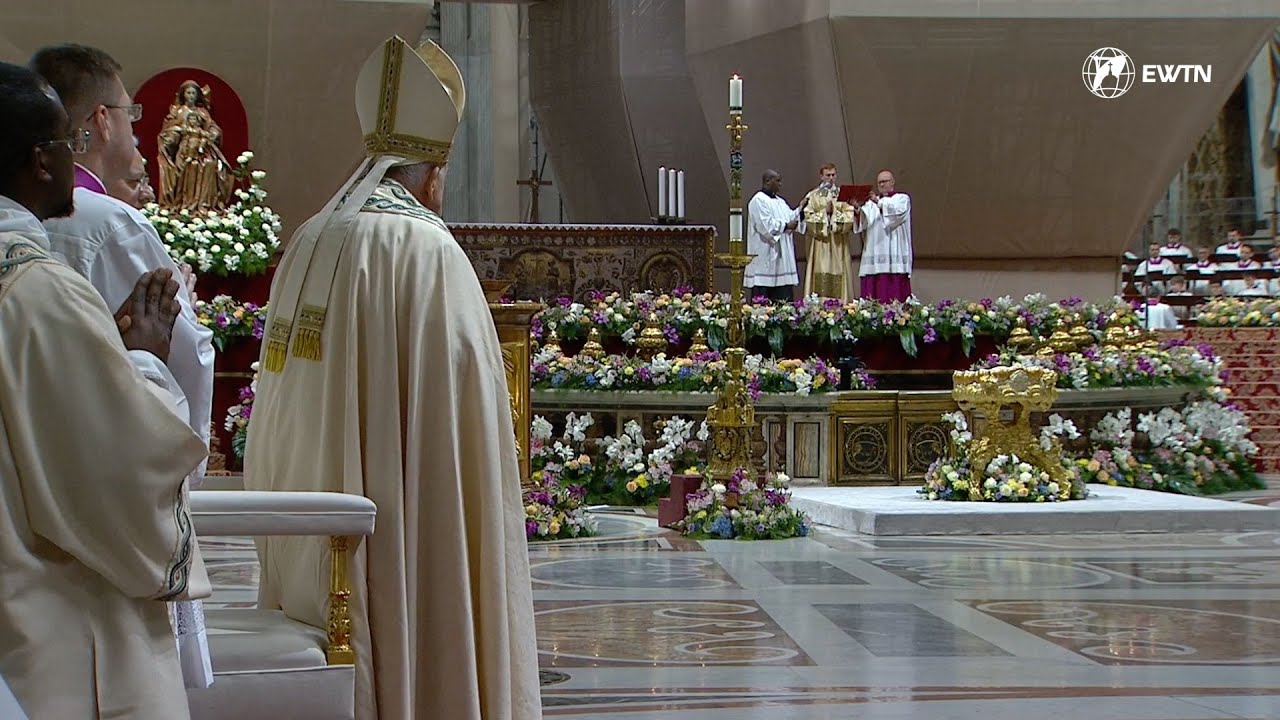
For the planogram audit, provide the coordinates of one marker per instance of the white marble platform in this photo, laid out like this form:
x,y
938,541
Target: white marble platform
x,y
900,511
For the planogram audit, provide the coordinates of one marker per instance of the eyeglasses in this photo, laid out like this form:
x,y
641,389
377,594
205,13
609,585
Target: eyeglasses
x,y
135,110
78,143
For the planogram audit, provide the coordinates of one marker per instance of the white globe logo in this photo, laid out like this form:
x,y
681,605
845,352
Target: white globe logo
x,y
1108,72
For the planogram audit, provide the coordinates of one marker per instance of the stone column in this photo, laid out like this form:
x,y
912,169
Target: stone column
x,y
1260,85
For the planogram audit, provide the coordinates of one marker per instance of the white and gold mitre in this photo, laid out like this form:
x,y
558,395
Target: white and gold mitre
x,y
410,101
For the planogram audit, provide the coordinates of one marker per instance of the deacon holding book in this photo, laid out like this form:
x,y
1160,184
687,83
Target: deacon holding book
x,y
886,255
829,223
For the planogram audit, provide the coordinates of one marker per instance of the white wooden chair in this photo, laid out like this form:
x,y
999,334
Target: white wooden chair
x,y
266,665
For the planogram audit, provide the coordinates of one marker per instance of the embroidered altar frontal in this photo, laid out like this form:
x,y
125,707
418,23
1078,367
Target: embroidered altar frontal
x,y
551,261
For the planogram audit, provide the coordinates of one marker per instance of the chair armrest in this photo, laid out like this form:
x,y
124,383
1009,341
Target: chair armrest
x,y
265,513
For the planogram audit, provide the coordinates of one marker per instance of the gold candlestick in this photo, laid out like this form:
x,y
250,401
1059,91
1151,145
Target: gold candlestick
x,y
732,419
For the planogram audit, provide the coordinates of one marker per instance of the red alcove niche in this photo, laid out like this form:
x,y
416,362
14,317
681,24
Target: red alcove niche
x,y
160,91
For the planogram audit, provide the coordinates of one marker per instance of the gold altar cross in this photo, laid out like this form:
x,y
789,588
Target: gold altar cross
x,y
535,183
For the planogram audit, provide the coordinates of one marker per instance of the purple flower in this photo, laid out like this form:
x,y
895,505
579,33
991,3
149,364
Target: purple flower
x,y
930,335
221,320
645,374
595,296
530,527
259,328
565,301
535,326
682,290
673,335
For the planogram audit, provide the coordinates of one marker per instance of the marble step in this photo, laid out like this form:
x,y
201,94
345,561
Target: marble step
x,y
900,511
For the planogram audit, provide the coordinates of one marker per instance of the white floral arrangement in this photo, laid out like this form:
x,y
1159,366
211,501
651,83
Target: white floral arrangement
x,y
238,240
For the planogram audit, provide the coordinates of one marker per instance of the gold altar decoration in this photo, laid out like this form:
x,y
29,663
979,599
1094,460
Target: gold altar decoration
x,y
732,419
512,322
652,340
593,348
699,344
1005,397
552,341
194,174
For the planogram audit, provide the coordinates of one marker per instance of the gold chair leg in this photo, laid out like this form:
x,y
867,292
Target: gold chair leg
x,y
339,652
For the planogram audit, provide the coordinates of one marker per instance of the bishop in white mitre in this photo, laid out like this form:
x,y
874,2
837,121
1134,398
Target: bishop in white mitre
x,y
95,530
770,238
382,376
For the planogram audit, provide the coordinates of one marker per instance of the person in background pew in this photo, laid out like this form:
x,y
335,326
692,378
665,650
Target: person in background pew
x,y
1251,286
1178,288
1157,315
1246,262
1174,249
1215,289
1153,271
1273,255
1235,241
1203,269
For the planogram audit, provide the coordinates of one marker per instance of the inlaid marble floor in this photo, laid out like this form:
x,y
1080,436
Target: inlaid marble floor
x,y
646,624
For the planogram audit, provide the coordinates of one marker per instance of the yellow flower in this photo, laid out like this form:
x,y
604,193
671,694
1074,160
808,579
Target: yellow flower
x,y
632,486
1104,476
553,528
629,370
701,514
1094,466
584,459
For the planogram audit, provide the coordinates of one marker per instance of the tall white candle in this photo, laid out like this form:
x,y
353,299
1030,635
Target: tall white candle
x,y
662,192
671,192
680,194
735,93
735,226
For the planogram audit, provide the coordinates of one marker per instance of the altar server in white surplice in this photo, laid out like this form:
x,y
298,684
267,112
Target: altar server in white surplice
x,y
94,526
110,243
382,376
1158,315
771,225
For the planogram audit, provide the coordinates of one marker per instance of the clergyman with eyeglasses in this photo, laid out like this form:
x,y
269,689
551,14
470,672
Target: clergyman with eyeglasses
x,y
112,245
95,533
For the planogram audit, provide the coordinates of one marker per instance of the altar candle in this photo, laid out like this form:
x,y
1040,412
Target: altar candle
x,y
735,93
680,194
671,193
662,192
735,226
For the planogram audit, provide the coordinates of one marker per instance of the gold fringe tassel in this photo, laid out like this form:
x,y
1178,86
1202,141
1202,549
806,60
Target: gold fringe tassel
x,y
306,342
277,345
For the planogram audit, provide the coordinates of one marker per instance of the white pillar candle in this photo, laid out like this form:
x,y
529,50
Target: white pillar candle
x,y
671,193
680,194
662,192
735,93
735,226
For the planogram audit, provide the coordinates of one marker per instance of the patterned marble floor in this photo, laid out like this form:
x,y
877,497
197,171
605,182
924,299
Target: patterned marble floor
x,y
646,624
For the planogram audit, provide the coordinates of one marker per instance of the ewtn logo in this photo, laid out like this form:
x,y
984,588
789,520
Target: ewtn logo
x,y
1109,73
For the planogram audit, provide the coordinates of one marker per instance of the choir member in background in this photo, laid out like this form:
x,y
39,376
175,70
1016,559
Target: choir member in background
x,y
1215,289
1178,288
1273,255
1251,286
771,224
1157,315
1174,249
1246,262
1203,269
1155,269
1235,240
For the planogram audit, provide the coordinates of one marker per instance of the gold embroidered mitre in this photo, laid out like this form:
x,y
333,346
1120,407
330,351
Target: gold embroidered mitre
x,y
410,101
